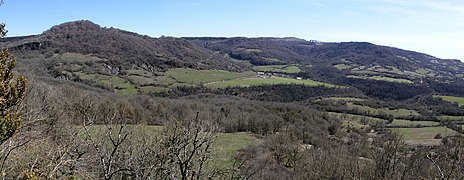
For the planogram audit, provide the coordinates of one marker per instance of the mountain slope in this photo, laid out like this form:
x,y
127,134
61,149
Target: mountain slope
x,y
122,48
127,62
348,57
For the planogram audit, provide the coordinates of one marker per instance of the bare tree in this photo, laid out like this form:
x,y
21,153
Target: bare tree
x,y
188,144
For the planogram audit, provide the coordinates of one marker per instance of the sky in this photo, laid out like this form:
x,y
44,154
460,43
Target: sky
x,y
434,27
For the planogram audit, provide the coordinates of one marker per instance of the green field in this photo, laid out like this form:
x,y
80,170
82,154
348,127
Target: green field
x,y
451,118
459,100
227,145
120,85
342,66
383,78
400,122
346,99
139,73
424,135
357,120
395,112
255,81
163,80
140,80
137,81
223,149
152,89
191,76
278,68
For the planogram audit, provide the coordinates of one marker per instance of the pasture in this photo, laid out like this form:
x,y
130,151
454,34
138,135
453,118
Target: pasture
x,y
383,78
278,68
451,118
357,121
401,122
255,81
192,76
120,85
346,99
424,135
459,100
223,149
374,111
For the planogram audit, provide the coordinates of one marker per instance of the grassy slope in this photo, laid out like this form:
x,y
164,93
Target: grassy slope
x,y
351,119
226,146
246,82
346,99
191,76
394,112
424,135
120,85
400,122
451,118
459,100
382,78
278,68
223,149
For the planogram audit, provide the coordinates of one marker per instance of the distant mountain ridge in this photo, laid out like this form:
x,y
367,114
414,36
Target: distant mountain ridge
x,y
266,51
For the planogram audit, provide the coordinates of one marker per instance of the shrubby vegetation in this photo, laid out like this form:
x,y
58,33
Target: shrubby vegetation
x,y
107,136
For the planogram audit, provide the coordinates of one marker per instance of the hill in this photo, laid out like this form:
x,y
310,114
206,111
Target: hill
x,y
115,59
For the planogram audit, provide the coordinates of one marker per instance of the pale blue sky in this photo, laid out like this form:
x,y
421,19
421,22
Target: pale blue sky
x,y
435,27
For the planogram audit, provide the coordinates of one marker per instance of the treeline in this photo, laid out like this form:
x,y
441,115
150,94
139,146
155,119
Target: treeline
x,y
279,93
386,90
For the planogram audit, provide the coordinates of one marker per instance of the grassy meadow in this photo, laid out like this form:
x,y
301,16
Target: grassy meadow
x,y
383,78
459,100
451,118
192,76
223,149
278,68
424,135
401,122
394,112
255,81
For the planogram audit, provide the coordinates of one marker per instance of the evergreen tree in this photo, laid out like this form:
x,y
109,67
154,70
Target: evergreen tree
x,y
12,92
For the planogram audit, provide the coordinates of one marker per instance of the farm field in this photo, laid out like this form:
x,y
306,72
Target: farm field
x,y
140,81
152,89
383,78
278,68
120,85
223,149
246,82
451,118
459,100
401,122
395,112
346,99
424,135
357,120
226,146
192,76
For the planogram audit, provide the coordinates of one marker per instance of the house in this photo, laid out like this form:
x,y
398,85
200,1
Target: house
x,y
299,78
261,74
